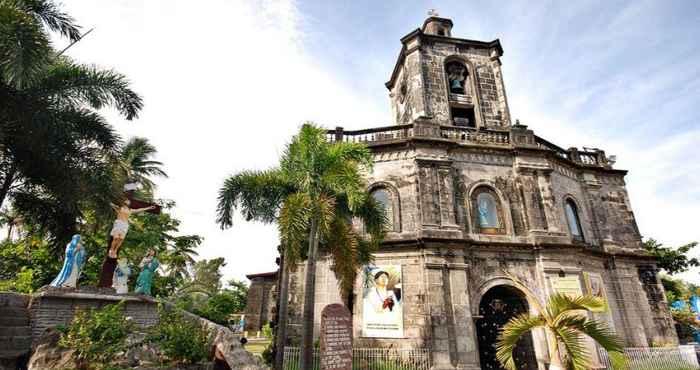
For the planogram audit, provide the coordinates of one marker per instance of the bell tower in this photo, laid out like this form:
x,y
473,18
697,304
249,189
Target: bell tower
x,y
447,80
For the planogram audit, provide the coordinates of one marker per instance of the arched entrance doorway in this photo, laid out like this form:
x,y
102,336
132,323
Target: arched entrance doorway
x,y
497,306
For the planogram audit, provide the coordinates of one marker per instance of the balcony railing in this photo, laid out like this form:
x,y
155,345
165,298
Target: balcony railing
x,y
464,135
471,135
400,132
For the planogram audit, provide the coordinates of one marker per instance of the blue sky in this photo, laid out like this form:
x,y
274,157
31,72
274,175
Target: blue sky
x,y
227,82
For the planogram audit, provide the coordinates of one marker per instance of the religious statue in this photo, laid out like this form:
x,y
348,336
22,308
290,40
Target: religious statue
x,y
148,265
75,258
121,224
118,233
121,276
456,76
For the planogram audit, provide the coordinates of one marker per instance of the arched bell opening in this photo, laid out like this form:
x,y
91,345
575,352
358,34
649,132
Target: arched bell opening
x,y
498,305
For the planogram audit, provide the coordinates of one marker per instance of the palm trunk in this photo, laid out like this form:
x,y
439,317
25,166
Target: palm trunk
x,y
554,359
281,335
6,183
307,333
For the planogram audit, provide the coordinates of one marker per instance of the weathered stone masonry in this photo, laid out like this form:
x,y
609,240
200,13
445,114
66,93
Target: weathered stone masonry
x,y
443,151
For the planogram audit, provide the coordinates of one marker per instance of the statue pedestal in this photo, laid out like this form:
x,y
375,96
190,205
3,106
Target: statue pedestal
x,y
57,306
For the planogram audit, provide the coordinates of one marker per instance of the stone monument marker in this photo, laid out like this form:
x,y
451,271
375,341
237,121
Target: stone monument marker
x,y
336,338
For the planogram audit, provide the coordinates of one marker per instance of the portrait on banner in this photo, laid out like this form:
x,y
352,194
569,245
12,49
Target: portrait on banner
x,y
382,306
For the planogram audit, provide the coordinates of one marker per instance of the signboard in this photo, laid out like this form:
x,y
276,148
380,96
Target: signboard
x,y
382,306
336,338
569,285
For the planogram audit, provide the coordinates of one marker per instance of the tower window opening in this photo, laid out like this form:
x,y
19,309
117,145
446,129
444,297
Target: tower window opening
x,y
441,31
463,117
456,77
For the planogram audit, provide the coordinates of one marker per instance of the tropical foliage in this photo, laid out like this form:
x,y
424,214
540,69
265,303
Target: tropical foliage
x,y
314,194
96,336
671,260
56,151
181,339
565,322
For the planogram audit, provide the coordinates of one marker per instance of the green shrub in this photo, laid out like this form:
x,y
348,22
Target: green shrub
x,y
96,336
267,331
267,355
181,339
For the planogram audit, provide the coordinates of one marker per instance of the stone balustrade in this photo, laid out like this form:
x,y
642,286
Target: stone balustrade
x,y
467,135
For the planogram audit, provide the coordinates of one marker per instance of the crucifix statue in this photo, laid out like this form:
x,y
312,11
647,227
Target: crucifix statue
x,y
129,207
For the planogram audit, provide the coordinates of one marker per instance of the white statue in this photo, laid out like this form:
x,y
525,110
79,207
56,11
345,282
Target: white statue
x,y
72,264
120,281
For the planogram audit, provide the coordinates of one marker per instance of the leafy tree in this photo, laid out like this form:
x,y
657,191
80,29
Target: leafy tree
x,y
565,321
219,307
672,260
239,291
314,193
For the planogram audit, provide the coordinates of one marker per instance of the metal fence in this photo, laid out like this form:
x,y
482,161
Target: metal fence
x,y
370,359
661,358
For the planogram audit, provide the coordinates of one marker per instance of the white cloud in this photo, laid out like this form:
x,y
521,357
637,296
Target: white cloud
x,y
225,86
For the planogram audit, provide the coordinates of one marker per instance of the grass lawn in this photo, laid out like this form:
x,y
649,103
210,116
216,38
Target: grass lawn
x,y
257,347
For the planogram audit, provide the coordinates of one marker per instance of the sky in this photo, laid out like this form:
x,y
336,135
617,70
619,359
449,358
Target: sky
x,y
227,82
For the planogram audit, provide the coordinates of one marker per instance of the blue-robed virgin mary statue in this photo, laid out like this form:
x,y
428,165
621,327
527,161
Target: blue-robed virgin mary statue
x,y
75,258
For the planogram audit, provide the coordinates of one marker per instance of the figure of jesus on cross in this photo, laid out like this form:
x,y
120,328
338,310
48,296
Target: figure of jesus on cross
x,y
118,234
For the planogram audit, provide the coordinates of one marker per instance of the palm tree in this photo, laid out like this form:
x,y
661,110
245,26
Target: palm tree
x,y
565,321
136,163
24,41
56,151
180,255
313,195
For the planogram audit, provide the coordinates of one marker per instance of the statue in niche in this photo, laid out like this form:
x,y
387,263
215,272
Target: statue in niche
x,y
457,77
148,265
72,265
121,276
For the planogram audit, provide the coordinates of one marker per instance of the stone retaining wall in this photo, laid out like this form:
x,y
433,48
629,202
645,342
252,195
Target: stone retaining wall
x,y
51,308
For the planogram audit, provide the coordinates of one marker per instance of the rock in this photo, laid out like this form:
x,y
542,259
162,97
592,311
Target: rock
x,y
48,355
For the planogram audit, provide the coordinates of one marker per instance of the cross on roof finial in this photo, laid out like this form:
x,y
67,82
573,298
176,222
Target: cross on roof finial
x,y
433,13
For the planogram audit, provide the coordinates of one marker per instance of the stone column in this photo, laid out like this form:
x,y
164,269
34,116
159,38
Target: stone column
x,y
548,200
453,333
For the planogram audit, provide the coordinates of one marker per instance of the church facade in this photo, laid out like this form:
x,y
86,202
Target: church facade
x,y
475,199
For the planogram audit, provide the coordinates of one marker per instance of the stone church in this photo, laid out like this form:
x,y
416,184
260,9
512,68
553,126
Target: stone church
x,y
472,197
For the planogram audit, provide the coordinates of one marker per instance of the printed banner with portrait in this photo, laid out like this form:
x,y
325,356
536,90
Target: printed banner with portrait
x,y
596,287
382,305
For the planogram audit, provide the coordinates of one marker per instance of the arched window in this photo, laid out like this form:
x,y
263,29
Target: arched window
x,y
572,219
457,75
488,216
384,197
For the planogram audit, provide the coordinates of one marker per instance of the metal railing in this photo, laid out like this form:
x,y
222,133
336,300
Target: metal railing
x,y
370,359
661,358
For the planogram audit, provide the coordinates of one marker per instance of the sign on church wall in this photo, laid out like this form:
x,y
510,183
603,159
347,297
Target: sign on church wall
x,y
382,304
569,284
